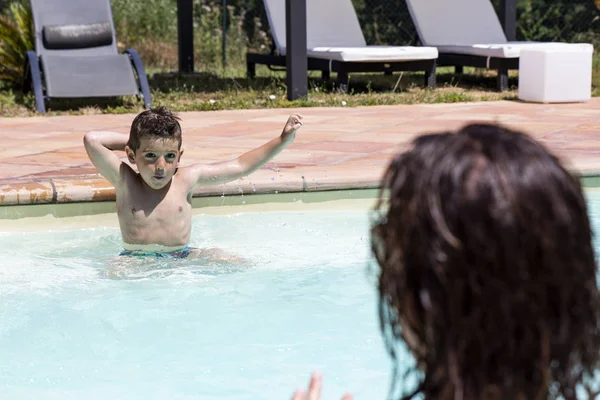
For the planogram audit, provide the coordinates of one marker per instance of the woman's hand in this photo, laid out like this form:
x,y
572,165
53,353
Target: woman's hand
x,y
314,390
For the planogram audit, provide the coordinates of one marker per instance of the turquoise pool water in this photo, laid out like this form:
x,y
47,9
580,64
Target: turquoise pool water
x,y
186,330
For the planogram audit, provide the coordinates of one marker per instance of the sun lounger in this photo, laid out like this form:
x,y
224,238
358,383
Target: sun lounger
x,y
468,33
76,54
335,43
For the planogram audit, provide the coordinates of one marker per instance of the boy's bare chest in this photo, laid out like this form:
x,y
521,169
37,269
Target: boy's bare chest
x,y
142,208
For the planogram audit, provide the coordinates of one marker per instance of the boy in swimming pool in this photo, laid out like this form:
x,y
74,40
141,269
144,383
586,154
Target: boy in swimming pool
x,y
154,203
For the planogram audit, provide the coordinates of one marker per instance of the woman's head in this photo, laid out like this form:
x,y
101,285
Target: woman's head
x,y
487,269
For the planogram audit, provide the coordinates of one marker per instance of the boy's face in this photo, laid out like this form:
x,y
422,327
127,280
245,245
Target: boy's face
x,y
156,160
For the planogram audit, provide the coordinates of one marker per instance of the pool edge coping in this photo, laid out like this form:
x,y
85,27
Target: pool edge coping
x,y
15,197
96,188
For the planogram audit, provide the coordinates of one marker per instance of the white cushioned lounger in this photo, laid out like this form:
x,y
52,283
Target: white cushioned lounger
x,y
469,27
334,33
374,53
508,50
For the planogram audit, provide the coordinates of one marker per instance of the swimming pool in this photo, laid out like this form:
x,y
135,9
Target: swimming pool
x,y
187,330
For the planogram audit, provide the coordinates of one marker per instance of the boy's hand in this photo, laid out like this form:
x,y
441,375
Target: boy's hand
x,y
293,123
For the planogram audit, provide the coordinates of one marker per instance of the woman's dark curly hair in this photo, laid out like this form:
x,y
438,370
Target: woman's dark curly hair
x,y
486,268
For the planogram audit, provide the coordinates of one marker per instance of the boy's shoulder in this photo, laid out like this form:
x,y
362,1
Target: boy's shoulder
x,y
127,170
128,175
186,176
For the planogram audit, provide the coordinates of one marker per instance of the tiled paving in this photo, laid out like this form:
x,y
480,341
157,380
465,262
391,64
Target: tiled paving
x,y
42,159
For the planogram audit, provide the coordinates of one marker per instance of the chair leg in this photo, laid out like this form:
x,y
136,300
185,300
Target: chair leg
x,y
430,77
342,81
250,69
458,69
33,68
502,79
143,79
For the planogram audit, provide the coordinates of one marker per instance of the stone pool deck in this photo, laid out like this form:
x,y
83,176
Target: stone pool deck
x,y
43,159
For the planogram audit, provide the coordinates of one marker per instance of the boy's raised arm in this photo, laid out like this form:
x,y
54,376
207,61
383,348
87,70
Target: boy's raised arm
x,y
248,162
99,146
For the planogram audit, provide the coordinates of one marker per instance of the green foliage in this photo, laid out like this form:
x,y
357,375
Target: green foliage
x,y
16,37
389,21
136,20
386,22
150,26
557,20
238,39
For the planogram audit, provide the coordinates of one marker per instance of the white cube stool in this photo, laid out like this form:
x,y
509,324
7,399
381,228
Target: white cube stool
x,y
556,73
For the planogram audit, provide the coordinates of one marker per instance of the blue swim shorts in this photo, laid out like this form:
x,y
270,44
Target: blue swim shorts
x,y
183,253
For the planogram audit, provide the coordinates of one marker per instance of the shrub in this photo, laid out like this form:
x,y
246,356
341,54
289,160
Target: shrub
x,y
16,37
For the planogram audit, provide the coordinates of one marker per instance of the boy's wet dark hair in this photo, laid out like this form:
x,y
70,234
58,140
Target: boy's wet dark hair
x,y
155,123
486,268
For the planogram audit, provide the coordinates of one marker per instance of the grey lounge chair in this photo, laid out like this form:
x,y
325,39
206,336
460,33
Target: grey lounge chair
x,y
468,33
77,56
336,44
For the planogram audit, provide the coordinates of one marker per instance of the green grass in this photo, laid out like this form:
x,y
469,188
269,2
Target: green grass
x,y
231,90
